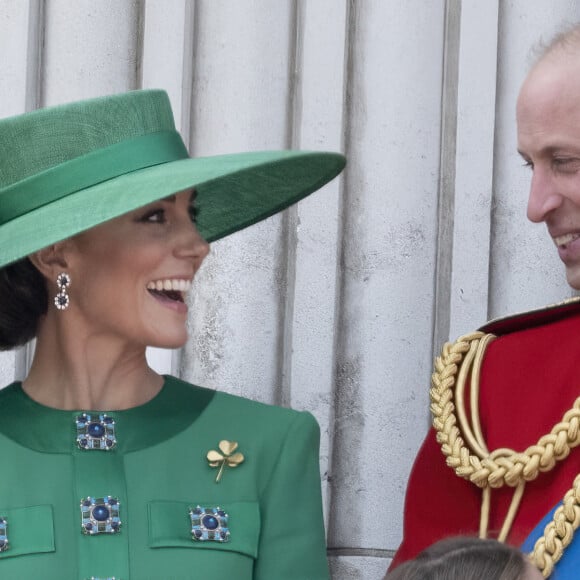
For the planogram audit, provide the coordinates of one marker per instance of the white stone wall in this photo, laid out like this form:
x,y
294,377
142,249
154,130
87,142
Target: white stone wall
x,y
338,305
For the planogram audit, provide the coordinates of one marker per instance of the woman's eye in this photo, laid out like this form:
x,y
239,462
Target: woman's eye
x,y
156,216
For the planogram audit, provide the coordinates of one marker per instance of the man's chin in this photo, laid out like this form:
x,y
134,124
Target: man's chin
x,y
573,277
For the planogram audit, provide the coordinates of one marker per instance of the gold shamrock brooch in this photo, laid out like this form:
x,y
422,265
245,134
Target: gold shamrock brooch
x,y
226,457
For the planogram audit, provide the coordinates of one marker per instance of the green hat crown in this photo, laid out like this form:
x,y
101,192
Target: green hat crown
x,y
37,141
68,168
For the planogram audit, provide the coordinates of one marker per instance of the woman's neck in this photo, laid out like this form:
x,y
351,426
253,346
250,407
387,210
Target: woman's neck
x,y
93,373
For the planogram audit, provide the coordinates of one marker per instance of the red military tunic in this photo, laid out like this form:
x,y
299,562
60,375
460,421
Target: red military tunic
x,y
529,378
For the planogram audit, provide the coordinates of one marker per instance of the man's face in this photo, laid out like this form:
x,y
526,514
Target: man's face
x,y
548,119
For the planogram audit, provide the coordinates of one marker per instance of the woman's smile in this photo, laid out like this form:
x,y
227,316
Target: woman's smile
x,y
171,293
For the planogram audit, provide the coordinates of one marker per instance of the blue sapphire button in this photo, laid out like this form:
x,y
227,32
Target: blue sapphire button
x,y
101,513
96,429
209,524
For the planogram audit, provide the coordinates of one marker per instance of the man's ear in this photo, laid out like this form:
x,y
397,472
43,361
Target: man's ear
x,y
50,261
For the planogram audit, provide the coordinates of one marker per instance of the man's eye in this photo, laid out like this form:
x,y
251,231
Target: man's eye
x,y
567,163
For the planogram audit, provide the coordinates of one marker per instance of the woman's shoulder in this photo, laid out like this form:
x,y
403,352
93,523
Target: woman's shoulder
x,y
229,407
9,391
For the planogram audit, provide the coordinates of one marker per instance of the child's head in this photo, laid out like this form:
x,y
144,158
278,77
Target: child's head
x,y
467,559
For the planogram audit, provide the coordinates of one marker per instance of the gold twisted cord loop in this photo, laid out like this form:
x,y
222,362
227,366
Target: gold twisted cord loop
x,y
464,447
475,375
472,436
466,451
443,407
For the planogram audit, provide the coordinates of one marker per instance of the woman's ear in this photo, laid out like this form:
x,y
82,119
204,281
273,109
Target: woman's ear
x,y
50,261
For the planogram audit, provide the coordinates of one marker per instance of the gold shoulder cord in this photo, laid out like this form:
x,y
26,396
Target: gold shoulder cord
x,y
466,452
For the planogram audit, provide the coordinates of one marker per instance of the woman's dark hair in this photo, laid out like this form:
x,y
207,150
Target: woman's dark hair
x,y
23,300
466,559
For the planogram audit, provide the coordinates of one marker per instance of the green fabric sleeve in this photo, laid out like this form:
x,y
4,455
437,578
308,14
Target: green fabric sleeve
x,y
292,542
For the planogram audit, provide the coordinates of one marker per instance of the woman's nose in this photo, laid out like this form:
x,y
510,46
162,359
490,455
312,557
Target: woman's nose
x,y
191,244
543,197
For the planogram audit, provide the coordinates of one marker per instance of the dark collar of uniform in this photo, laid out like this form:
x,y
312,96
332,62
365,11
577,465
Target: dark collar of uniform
x,y
533,318
50,430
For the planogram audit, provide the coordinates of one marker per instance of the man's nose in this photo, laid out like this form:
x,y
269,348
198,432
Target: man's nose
x,y
543,197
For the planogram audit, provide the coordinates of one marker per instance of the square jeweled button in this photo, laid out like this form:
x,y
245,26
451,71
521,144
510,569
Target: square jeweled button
x,y
96,432
209,524
3,534
100,515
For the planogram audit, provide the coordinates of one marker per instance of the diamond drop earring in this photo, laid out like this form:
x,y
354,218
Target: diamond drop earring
x,y
62,300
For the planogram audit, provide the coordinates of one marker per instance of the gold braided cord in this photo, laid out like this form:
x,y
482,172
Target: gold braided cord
x,y
502,466
466,451
474,436
558,534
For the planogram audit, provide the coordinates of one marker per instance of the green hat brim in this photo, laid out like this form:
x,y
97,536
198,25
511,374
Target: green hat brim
x,y
233,192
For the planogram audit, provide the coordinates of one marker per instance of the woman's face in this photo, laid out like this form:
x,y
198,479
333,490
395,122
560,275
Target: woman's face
x,y
130,274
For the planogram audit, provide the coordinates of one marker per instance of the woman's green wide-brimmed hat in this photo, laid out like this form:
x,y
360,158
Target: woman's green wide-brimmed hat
x,y
68,168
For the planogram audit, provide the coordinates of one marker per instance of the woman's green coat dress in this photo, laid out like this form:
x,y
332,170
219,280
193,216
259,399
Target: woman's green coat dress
x,y
153,492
